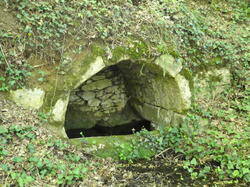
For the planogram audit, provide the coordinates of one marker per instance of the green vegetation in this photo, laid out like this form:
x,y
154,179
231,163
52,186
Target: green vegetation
x,y
55,163
49,29
202,34
218,150
221,147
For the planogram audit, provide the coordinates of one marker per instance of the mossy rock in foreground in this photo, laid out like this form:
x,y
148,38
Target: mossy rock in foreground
x,y
121,147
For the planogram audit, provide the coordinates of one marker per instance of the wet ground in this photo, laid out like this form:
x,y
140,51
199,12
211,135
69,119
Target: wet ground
x,y
158,173
161,172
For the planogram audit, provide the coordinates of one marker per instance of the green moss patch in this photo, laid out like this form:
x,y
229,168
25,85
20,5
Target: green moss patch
x,y
122,147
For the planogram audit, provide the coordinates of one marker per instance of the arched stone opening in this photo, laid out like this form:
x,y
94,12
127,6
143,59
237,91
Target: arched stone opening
x,y
128,93
101,107
138,90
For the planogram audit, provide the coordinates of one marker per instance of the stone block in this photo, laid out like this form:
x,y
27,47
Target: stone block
x,y
81,102
107,103
84,108
115,97
98,77
94,102
110,90
89,81
73,97
59,110
98,114
155,114
87,95
28,98
168,64
98,85
106,96
120,105
100,94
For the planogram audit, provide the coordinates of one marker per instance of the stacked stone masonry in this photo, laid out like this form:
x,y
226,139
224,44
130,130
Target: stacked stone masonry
x,y
101,95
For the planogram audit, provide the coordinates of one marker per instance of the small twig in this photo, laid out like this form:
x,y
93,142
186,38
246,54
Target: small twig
x,y
39,65
162,152
141,73
7,63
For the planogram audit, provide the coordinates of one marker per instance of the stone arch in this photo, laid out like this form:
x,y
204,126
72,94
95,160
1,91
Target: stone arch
x,y
157,90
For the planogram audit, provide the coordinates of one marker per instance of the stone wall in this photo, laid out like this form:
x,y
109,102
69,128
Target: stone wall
x,y
103,93
102,99
144,89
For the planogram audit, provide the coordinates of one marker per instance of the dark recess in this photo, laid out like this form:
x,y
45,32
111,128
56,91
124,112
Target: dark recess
x,y
98,130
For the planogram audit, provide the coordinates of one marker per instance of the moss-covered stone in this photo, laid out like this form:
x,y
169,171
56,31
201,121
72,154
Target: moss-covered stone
x,y
155,88
110,146
158,83
28,98
210,84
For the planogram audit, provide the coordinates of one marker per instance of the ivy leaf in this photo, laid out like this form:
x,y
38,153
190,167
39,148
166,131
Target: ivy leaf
x,y
3,130
193,161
